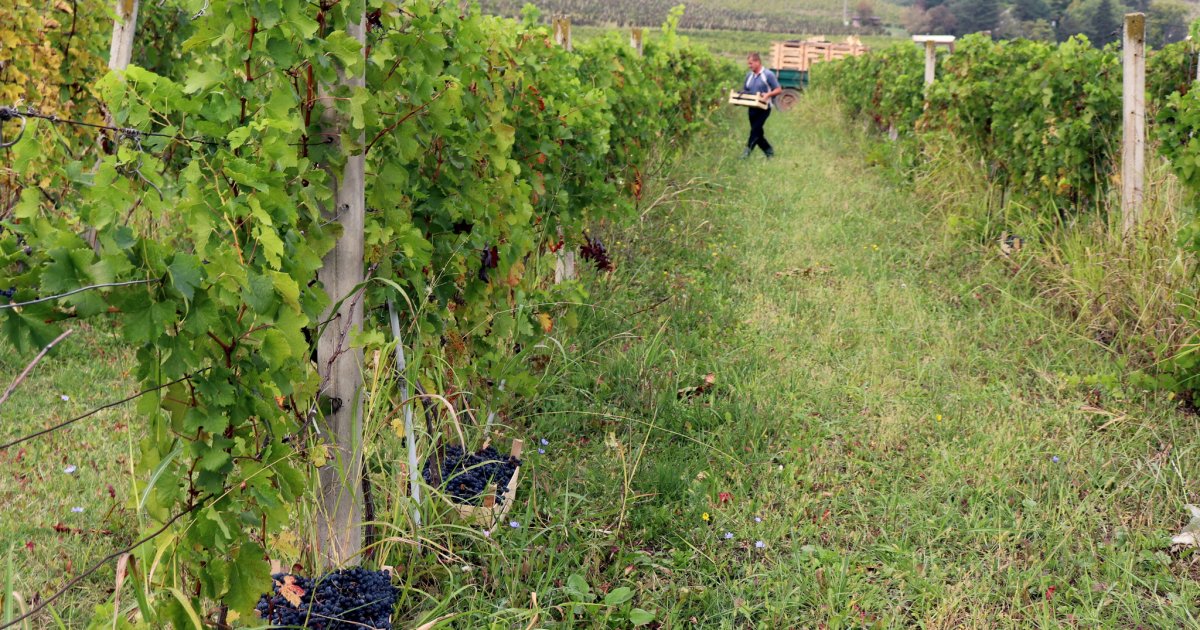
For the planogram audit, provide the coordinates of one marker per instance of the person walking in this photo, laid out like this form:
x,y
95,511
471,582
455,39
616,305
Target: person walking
x,y
762,82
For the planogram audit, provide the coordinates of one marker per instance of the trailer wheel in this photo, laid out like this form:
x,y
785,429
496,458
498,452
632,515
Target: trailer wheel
x,y
788,99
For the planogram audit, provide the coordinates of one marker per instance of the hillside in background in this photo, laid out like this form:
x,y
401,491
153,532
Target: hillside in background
x,y
775,16
1049,20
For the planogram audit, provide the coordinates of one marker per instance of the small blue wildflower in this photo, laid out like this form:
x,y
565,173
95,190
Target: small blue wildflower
x,y
487,533
757,519
728,535
70,469
65,397
545,442
77,510
541,451
1054,459
760,544
514,524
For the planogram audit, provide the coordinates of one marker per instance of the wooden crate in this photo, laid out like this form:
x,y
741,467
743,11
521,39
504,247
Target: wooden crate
x,y
743,99
492,511
801,55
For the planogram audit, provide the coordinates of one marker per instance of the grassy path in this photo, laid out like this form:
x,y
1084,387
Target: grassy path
x,y
894,417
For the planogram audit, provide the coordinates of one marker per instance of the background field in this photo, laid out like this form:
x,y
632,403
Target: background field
x,y
809,16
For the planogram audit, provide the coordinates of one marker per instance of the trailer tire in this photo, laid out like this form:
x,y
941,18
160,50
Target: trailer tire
x,y
788,99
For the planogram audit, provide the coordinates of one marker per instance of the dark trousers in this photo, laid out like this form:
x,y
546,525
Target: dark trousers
x,y
758,118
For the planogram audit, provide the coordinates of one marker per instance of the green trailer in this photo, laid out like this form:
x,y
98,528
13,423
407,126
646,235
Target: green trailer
x,y
791,60
793,83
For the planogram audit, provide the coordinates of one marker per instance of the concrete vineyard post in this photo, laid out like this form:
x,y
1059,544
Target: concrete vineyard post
x,y
930,62
636,39
564,265
124,28
1133,126
931,42
120,52
339,516
562,32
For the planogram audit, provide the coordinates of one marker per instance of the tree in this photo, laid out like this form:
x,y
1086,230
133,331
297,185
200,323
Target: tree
x,y
866,10
942,20
1098,19
1166,22
973,16
1028,10
1106,24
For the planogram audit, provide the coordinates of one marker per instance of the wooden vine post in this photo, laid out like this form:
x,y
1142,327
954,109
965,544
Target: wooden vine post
x,y
339,517
636,39
564,264
1133,126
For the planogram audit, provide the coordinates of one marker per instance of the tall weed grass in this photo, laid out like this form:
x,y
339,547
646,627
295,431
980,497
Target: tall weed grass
x,y
1132,293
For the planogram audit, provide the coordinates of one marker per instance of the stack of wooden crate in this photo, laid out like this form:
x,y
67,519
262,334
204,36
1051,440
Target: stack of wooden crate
x,y
794,55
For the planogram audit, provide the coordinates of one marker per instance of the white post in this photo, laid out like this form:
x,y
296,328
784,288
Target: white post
x,y
930,62
931,43
339,519
1133,128
562,32
564,264
121,50
635,40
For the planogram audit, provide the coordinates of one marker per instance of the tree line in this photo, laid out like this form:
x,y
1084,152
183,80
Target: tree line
x,y
1049,20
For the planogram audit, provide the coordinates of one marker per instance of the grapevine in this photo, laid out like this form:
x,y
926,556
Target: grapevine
x,y
212,213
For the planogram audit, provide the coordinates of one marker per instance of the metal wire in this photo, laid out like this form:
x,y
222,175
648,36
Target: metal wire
x,y
10,113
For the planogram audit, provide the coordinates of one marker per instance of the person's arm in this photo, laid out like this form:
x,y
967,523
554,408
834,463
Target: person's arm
x,y
773,83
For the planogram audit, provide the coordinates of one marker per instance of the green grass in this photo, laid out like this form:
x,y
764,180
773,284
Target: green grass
x,y
48,542
889,401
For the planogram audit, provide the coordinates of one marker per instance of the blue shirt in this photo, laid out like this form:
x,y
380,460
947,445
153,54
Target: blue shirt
x,y
760,83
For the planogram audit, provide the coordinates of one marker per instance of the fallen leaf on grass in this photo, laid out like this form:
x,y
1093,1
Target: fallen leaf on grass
x,y
1189,536
1010,244
703,388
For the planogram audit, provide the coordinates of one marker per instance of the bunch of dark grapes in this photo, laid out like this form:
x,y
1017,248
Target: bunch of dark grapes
x,y
489,259
8,293
594,251
342,600
465,477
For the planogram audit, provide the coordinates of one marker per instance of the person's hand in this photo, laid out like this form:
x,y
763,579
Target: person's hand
x,y
762,98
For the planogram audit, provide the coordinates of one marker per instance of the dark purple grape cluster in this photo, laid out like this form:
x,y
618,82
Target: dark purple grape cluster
x,y
465,477
594,251
489,259
347,599
8,293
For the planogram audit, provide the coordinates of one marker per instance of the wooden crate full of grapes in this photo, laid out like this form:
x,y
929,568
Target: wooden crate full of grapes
x,y
480,487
